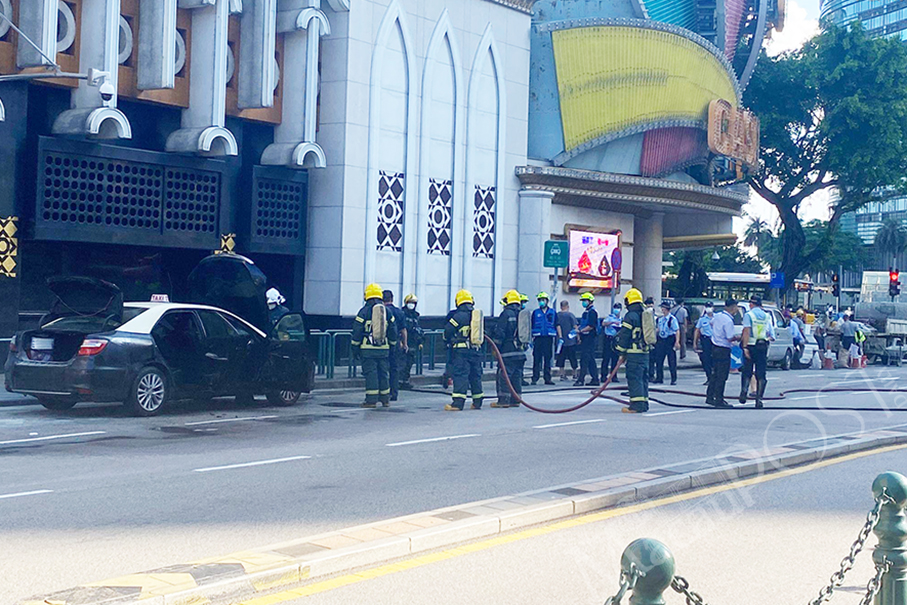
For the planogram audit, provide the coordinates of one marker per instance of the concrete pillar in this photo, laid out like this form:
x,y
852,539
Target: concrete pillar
x,y
535,229
648,247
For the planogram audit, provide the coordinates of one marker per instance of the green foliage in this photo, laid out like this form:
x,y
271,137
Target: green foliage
x,y
833,114
838,248
891,239
689,268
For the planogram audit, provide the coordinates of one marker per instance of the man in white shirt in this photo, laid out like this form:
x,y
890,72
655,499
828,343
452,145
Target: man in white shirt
x,y
723,338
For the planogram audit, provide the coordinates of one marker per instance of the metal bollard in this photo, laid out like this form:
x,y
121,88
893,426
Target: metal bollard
x,y
891,531
653,565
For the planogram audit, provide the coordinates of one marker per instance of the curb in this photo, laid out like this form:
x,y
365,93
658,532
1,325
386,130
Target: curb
x,y
246,574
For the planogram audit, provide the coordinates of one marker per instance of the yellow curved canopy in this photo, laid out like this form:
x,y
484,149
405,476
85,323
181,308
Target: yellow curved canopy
x,y
615,78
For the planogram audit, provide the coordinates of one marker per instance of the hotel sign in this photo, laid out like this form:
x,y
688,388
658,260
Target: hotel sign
x,y
734,132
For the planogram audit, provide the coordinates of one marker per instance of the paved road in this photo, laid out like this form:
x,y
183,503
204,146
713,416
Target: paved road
x,y
91,493
774,542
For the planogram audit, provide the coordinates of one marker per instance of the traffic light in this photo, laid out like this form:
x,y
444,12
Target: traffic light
x,y
835,285
894,283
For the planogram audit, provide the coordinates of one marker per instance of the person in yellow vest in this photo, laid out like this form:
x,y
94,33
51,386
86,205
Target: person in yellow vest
x,y
757,333
374,335
464,336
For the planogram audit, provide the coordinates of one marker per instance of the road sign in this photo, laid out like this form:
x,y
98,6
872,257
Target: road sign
x,y
557,254
777,281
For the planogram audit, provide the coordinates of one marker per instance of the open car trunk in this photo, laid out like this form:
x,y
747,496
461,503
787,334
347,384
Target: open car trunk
x,y
234,283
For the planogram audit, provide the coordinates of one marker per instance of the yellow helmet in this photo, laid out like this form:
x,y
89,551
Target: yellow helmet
x,y
464,296
524,298
587,296
373,291
542,295
512,297
410,298
633,296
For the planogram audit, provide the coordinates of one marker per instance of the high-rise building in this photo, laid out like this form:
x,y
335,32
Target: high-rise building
x,y
879,17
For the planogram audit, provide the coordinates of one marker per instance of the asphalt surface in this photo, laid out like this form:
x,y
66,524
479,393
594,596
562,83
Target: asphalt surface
x,y
92,493
775,542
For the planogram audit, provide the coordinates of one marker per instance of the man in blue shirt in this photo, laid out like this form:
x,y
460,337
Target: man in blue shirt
x,y
723,338
758,331
544,331
610,356
667,344
588,333
702,339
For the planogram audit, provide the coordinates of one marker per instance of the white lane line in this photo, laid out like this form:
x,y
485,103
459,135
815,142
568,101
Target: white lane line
x,y
868,378
248,464
551,426
436,439
20,494
808,397
668,413
228,420
49,437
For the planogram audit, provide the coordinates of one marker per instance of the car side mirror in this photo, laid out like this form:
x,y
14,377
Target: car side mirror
x,y
290,327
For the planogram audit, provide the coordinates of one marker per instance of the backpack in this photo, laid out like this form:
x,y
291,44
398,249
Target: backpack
x,y
477,328
524,327
378,328
649,331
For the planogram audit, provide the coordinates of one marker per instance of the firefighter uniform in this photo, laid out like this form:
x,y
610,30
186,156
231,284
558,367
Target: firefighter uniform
x,y
415,336
465,357
507,338
633,348
373,351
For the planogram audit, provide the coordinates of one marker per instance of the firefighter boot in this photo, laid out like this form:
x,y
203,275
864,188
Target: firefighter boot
x,y
760,391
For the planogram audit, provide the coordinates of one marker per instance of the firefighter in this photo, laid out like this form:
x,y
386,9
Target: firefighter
x,y
374,335
507,338
415,338
463,335
631,345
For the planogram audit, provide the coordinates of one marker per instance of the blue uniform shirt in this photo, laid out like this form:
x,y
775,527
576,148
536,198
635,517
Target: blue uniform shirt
x,y
704,325
543,322
611,330
589,319
667,326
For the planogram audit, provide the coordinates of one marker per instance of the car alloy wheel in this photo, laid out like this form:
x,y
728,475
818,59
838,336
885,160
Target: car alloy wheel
x,y
150,392
283,398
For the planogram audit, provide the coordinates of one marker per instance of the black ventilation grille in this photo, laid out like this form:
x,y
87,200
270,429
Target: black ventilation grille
x,y
278,209
192,200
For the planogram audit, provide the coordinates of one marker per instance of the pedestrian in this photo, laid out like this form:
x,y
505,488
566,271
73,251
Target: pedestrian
x,y
723,338
588,334
820,329
276,310
650,308
668,344
415,337
544,330
683,319
374,335
848,332
567,339
632,346
610,357
461,336
757,333
397,352
507,338
702,339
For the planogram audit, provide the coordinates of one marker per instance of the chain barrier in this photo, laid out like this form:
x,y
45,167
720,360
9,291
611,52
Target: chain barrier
x,y
628,581
875,584
837,578
682,586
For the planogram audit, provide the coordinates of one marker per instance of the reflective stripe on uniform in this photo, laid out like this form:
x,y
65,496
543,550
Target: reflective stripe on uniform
x,y
360,320
384,392
478,396
639,398
375,392
459,395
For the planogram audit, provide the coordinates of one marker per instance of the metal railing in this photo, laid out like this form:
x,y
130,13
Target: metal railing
x,y
647,566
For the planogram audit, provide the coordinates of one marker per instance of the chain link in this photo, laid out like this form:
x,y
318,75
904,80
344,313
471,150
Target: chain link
x,y
628,581
682,586
872,589
837,578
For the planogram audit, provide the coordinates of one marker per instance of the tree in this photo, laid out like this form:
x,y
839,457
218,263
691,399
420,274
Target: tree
x,y
757,233
833,115
890,240
690,268
838,248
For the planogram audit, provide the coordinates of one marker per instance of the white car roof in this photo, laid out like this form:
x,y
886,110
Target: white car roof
x,y
145,322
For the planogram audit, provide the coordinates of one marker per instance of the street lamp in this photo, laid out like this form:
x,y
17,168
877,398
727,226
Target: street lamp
x,y
715,256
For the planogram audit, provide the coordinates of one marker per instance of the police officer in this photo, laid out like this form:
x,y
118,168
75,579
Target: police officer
x,y
414,339
702,339
588,333
373,348
633,348
757,333
610,327
543,333
507,338
465,357
667,345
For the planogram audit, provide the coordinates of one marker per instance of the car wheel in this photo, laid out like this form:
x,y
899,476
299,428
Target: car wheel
x,y
57,404
788,358
283,398
149,392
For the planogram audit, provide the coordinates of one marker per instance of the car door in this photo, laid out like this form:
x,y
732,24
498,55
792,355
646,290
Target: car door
x,y
178,338
224,352
291,363
783,340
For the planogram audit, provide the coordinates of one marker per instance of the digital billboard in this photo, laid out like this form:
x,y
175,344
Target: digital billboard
x,y
595,259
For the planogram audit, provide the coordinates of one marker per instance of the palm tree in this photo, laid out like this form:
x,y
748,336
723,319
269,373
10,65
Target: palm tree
x,y
890,240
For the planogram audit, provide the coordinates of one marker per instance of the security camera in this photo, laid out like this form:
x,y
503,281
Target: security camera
x,y
107,90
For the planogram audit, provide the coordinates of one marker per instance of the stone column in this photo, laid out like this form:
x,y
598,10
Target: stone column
x,y
535,229
648,246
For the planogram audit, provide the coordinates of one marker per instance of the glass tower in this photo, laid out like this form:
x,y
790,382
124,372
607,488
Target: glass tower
x,y
879,17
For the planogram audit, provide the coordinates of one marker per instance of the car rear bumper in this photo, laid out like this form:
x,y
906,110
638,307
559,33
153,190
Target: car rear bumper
x,y
80,378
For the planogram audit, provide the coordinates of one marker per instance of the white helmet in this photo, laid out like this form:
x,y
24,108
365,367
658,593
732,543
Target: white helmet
x,y
275,297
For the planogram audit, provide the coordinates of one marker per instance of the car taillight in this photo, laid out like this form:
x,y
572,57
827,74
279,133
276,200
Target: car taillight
x,y
92,347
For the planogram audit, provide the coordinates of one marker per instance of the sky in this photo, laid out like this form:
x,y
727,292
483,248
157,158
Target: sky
x,y
802,24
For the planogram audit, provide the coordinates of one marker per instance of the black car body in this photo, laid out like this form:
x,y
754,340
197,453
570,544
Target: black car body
x,y
93,347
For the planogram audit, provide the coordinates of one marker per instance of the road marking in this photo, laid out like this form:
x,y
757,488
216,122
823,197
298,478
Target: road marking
x,y
431,440
248,464
551,426
808,397
466,549
20,494
668,413
228,420
49,437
